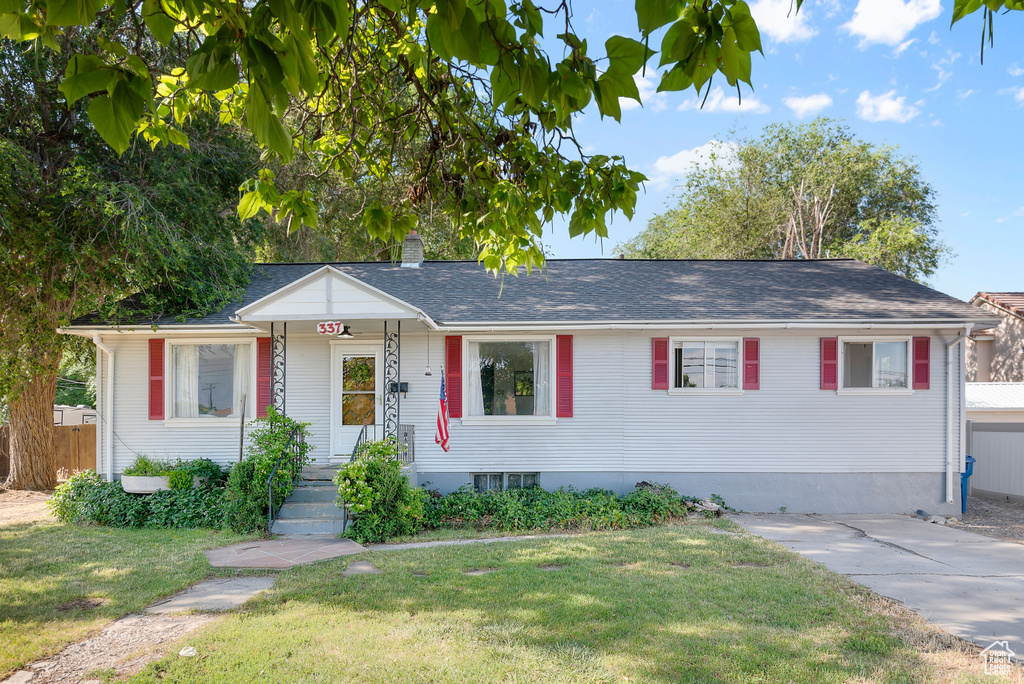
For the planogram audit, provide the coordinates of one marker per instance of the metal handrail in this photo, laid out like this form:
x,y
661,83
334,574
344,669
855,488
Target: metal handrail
x,y
406,440
292,450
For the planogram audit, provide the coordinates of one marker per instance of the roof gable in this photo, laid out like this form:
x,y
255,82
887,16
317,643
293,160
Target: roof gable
x,y
327,293
1011,302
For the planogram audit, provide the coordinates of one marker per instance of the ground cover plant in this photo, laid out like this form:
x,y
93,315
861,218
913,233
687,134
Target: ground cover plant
x,y
59,582
677,603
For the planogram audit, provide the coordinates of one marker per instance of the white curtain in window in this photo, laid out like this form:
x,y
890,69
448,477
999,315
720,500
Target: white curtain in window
x,y
242,374
476,393
541,378
186,381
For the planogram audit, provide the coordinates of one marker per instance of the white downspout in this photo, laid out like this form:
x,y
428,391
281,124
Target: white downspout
x,y
108,399
952,460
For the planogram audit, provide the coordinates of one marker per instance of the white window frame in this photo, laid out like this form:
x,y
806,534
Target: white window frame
x,y
510,420
675,342
206,421
888,391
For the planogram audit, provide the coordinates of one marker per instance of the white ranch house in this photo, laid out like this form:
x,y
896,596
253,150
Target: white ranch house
x,y
822,386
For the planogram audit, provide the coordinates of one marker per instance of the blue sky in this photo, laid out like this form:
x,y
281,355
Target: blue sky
x,y
894,71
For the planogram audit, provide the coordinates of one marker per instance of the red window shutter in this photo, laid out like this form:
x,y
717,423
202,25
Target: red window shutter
x,y
829,363
453,374
922,362
563,358
156,379
659,363
751,363
263,391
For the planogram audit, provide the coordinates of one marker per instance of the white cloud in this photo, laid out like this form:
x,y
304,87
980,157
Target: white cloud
x,y
1016,214
1015,71
889,21
803,107
666,170
940,66
964,94
1018,94
649,94
934,39
885,107
901,48
780,20
718,101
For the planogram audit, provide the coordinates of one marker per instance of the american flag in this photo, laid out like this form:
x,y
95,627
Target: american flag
x,y
441,437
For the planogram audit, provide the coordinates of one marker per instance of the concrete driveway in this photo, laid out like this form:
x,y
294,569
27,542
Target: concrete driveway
x,y
969,585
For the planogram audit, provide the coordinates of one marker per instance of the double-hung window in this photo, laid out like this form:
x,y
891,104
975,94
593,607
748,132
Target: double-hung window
x,y
508,378
875,364
706,365
211,381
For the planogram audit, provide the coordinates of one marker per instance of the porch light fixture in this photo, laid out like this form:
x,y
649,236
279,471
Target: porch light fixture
x,y
346,334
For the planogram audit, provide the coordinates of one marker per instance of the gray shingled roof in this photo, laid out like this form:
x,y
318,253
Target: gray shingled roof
x,y
632,290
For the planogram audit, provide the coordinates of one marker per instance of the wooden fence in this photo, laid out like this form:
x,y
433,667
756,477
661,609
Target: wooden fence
x,y
76,448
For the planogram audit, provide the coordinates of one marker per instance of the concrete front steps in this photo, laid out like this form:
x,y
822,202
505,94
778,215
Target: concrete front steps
x,y
311,508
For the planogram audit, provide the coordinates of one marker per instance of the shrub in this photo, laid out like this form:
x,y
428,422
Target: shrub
x,y
246,504
379,494
179,479
567,509
144,466
87,499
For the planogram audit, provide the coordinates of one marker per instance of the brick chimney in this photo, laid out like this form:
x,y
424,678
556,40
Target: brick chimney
x,y
412,250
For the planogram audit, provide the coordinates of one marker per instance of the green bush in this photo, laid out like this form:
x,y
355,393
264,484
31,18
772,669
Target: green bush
x,y
565,509
246,500
88,499
378,493
144,466
179,479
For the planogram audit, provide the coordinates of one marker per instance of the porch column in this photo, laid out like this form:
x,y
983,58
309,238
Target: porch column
x,y
392,372
278,346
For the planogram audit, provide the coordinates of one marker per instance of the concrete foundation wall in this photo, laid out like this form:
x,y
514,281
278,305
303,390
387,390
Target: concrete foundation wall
x,y
765,492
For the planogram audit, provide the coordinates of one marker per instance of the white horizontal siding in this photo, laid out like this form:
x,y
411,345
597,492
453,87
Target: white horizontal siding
x,y
619,423
1000,466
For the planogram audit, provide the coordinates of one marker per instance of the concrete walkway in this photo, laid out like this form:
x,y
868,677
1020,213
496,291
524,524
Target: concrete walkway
x,y
969,585
282,553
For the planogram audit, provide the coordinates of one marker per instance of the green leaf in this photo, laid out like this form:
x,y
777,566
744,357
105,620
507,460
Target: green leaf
x,y
730,57
534,22
85,74
607,99
678,43
504,81
71,12
571,83
115,116
11,6
159,24
748,38
211,67
439,36
676,79
961,8
267,128
534,80
625,55
653,14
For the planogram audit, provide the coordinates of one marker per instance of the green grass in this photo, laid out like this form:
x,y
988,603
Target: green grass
x,y
48,568
682,603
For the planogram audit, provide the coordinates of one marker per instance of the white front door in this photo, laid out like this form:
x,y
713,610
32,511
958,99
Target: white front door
x,y
357,399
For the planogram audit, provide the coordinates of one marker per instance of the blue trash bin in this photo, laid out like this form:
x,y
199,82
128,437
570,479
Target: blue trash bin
x,y
964,477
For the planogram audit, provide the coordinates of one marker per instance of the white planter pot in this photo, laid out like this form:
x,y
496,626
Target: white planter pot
x,y
140,484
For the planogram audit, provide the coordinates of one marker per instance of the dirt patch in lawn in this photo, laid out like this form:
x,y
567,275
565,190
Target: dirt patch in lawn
x,y
87,603
18,506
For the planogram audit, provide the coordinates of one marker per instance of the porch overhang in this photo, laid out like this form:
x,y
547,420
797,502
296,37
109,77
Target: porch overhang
x,y
328,293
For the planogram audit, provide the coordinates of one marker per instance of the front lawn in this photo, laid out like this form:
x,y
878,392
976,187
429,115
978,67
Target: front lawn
x,y
682,603
58,582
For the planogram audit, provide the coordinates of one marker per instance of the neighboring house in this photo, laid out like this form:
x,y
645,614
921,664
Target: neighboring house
x,y
73,415
827,386
997,354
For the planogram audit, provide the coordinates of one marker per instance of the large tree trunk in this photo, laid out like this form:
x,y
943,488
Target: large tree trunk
x,y
33,444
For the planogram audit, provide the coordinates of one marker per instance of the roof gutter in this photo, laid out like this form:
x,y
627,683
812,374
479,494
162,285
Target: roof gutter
x,y
952,460
107,413
712,325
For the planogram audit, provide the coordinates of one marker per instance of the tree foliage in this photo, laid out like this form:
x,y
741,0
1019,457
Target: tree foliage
x,y
81,226
809,190
351,84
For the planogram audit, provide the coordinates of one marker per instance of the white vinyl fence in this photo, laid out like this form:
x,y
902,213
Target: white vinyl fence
x,y
999,448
